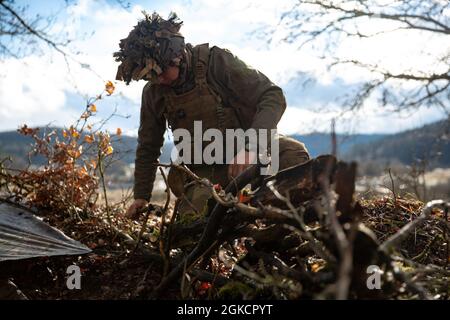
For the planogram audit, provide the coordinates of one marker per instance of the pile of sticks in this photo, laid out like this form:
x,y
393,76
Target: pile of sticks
x,y
304,213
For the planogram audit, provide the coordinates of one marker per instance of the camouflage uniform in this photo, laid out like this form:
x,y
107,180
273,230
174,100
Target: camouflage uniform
x,y
217,88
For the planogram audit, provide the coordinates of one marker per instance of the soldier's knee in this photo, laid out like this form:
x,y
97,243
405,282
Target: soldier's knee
x,y
176,180
292,152
194,203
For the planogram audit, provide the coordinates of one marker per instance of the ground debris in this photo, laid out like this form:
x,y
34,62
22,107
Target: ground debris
x,y
257,260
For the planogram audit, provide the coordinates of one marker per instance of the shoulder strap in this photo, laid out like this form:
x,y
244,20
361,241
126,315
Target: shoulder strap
x,y
201,59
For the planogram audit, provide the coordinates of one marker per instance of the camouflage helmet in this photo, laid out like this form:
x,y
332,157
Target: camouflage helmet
x,y
152,46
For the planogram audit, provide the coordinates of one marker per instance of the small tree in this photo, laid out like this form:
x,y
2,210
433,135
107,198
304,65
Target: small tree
x,y
326,23
74,167
22,34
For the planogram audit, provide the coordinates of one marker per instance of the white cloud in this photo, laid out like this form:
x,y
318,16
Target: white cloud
x,y
36,90
80,8
29,93
297,120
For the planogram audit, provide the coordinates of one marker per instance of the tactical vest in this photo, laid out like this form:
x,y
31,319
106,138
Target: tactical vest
x,y
201,103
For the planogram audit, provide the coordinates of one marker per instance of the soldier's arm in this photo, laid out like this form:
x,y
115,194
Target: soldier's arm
x,y
150,140
250,86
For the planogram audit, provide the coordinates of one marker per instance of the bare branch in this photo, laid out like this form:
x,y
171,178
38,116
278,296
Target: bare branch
x,y
326,23
40,35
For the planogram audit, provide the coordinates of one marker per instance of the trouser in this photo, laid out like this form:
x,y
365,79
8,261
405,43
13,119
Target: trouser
x,y
193,203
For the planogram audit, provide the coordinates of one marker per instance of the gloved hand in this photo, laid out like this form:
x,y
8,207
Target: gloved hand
x,y
136,208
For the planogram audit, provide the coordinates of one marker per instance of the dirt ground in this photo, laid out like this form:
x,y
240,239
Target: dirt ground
x,y
112,271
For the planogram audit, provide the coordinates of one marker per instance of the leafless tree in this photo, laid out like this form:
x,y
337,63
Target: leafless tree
x,y
22,34
325,23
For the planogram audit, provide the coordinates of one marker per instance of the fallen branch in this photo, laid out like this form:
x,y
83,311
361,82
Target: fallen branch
x,y
163,240
211,231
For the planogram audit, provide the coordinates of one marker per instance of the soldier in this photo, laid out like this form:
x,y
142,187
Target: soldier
x,y
195,83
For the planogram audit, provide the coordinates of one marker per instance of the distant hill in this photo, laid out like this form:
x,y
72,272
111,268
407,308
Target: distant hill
x,y
431,142
128,146
17,146
320,143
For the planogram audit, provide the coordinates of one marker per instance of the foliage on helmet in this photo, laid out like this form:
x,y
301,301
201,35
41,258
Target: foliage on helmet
x,y
152,45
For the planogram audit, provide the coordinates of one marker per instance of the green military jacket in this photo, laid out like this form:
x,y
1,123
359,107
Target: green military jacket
x,y
238,85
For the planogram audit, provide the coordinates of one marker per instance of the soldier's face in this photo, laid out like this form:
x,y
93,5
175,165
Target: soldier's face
x,y
169,75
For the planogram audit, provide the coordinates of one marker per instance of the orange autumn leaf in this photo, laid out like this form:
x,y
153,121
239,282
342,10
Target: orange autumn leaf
x,y
89,138
316,267
82,172
74,153
75,134
244,196
27,131
92,108
204,286
109,87
109,150
93,163
64,133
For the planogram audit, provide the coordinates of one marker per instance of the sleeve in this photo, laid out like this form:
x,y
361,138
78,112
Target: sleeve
x,y
150,141
250,86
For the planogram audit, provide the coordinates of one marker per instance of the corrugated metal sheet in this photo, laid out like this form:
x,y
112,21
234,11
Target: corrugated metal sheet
x,y
23,235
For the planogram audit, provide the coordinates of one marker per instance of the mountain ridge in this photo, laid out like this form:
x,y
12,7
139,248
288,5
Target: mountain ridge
x,y
404,147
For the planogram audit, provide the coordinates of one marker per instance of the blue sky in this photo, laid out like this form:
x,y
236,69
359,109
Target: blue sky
x,y
42,89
